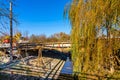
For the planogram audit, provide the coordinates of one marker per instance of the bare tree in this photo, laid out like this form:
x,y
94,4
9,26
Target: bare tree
x,y
4,16
61,37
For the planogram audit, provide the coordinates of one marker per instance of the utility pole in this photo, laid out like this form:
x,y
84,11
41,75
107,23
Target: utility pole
x,y
11,32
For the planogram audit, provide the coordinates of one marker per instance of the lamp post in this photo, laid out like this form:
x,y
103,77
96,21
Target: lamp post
x,y
11,32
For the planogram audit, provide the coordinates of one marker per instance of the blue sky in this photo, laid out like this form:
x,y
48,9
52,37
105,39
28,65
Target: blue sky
x,y
42,16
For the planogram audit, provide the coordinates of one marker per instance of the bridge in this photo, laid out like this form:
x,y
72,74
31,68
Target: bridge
x,y
59,46
36,60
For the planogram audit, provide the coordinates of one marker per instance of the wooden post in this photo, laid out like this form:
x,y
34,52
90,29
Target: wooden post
x,y
11,32
40,60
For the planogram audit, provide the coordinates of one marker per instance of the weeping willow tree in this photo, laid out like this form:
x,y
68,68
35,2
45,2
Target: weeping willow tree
x,y
91,19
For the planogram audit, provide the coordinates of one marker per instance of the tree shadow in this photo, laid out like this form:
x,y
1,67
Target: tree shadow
x,y
12,76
